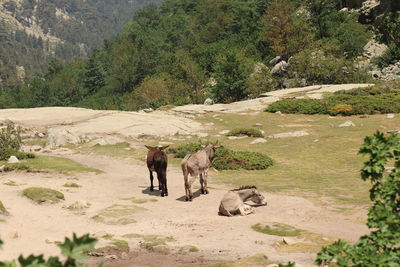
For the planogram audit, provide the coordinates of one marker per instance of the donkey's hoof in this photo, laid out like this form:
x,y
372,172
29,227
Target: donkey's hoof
x,y
162,195
203,192
151,189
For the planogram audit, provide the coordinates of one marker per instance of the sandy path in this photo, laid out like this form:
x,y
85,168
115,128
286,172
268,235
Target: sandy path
x,y
190,223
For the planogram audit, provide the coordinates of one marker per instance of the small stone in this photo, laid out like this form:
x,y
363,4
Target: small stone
x,y
347,124
111,257
41,135
78,205
209,102
201,134
224,132
257,124
278,112
36,148
13,159
258,141
389,116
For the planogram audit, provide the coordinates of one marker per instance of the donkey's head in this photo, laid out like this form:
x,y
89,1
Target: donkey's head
x,y
210,150
156,148
258,198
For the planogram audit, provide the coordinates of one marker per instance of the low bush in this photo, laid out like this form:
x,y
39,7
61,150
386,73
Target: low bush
x,y
73,250
344,104
189,148
10,140
251,132
40,194
226,159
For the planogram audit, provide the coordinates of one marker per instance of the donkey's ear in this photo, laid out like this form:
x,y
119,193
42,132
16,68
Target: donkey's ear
x,y
148,147
164,147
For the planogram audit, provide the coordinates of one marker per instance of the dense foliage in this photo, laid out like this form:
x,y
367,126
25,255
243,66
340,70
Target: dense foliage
x,y
76,27
245,131
226,159
73,250
381,246
354,102
193,49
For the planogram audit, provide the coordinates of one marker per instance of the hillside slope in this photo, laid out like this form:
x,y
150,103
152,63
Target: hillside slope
x,y
32,32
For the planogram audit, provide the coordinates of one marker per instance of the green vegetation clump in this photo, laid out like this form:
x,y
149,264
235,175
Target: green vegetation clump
x,y
3,210
10,143
278,229
40,194
360,101
381,246
189,148
251,132
121,245
226,159
72,185
74,251
47,163
118,214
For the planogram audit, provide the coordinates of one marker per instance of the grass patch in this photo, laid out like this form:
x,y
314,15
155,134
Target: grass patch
x,y
255,260
48,164
3,210
140,200
353,102
120,150
278,229
226,159
151,241
307,241
118,214
72,185
36,141
120,245
10,183
251,132
40,194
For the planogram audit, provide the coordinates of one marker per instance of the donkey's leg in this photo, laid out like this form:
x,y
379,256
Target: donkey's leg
x,y
206,181
151,181
202,183
191,181
185,178
165,183
248,209
161,182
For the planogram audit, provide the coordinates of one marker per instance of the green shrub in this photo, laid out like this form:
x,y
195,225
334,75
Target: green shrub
x,y
10,140
360,104
226,159
189,148
40,194
380,247
74,250
245,131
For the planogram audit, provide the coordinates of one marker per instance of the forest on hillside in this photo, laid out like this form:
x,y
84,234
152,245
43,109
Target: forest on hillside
x,y
184,51
76,27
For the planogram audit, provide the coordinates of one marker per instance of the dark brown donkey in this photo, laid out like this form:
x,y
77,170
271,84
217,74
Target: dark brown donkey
x,y
157,161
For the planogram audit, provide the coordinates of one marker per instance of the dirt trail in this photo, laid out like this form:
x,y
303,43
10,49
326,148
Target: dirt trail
x,y
190,223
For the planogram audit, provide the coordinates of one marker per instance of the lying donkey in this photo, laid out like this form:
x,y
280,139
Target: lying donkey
x,y
233,201
157,161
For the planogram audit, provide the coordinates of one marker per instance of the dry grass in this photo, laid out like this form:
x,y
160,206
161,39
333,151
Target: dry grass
x,y
118,214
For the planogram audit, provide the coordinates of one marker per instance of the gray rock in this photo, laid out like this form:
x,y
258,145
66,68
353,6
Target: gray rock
x,y
224,132
275,60
280,68
209,102
107,140
41,135
389,116
347,124
257,124
258,141
289,134
13,159
35,148
201,135
59,137
148,110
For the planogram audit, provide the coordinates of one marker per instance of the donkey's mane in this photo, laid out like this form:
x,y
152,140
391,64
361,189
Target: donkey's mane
x,y
245,187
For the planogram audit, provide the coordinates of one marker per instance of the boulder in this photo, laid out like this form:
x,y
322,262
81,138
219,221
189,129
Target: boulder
x,y
280,68
13,159
209,102
275,60
258,141
347,124
389,116
289,134
369,11
224,132
59,137
35,148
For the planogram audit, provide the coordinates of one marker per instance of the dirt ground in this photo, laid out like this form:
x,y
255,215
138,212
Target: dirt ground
x,y
34,228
